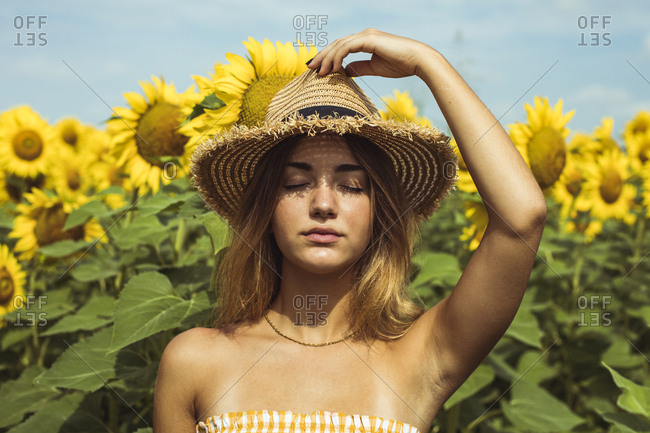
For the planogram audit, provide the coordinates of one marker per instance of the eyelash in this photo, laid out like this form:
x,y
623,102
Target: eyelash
x,y
349,188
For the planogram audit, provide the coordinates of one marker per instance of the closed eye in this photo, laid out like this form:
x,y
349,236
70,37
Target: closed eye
x,y
349,188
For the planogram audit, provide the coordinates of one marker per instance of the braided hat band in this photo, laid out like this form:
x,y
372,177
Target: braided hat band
x,y
424,162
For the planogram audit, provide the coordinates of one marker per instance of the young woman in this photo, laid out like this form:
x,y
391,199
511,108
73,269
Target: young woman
x,y
317,331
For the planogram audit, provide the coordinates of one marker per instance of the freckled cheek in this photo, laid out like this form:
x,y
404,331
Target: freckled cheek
x,y
285,217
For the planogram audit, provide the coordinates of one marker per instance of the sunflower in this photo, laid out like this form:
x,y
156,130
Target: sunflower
x,y
12,280
465,181
607,192
27,142
639,125
646,192
69,176
569,185
603,136
70,133
4,193
402,108
41,222
245,87
541,141
145,134
102,169
475,212
15,186
638,150
583,223
637,140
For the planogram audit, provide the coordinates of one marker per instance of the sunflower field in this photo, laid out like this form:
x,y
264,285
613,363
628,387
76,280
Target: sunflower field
x,y
107,253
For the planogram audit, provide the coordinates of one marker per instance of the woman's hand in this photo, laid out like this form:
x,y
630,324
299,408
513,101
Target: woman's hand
x,y
392,56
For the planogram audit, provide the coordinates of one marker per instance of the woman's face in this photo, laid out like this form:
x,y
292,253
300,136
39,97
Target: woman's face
x,y
323,186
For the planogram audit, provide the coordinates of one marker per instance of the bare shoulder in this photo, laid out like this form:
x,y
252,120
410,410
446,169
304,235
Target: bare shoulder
x,y
187,360
191,347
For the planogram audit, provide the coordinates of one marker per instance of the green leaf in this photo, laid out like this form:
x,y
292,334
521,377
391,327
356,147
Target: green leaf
x,y
83,213
440,268
635,398
7,212
626,423
481,377
217,229
148,305
51,416
532,408
95,314
160,202
534,366
84,366
94,270
64,248
142,230
210,102
19,397
620,354
39,309
524,327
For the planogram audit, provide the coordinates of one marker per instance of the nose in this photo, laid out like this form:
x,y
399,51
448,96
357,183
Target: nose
x,y
323,200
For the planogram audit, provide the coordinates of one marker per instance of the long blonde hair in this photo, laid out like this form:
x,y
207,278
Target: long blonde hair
x,y
248,275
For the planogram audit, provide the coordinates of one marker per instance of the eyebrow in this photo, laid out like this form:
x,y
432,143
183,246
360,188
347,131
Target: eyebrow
x,y
339,168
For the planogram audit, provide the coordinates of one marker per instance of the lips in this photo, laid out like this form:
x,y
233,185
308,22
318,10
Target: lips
x,y
322,231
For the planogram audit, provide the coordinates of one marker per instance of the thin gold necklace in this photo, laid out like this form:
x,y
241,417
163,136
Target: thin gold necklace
x,y
302,342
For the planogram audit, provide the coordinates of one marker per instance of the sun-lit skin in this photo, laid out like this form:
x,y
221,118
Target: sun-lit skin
x,y
407,379
322,198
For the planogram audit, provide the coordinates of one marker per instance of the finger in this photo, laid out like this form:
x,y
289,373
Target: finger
x,y
359,68
324,56
333,55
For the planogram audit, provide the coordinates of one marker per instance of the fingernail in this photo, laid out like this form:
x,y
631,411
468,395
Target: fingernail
x,y
309,61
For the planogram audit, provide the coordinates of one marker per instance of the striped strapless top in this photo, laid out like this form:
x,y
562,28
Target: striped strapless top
x,y
263,421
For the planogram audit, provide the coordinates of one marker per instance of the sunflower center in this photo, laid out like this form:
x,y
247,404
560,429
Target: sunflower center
x,y
258,96
73,178
157,135
640,128
644,151
547,155
69,135
49,226
611,186
574,183
28,145
6,286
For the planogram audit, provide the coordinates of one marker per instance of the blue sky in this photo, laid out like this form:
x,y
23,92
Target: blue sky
x,y
508,51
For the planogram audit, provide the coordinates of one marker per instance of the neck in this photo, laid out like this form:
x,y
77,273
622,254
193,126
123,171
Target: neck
x,y
312,307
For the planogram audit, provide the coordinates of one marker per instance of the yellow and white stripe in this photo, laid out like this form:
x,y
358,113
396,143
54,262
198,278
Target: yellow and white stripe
x,y
263,421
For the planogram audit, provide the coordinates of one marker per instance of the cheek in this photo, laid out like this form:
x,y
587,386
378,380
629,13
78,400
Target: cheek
x,y
284,215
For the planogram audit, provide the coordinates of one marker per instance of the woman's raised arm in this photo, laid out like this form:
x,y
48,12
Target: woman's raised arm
x,y
465,326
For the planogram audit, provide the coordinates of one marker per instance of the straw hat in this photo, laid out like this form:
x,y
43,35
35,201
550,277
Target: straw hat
x,y
422,158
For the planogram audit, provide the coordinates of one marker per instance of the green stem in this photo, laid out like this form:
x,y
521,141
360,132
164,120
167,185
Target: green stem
x,y
102,286
480,419
575,281
113,413
180,239
640,234
41,356
452,418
